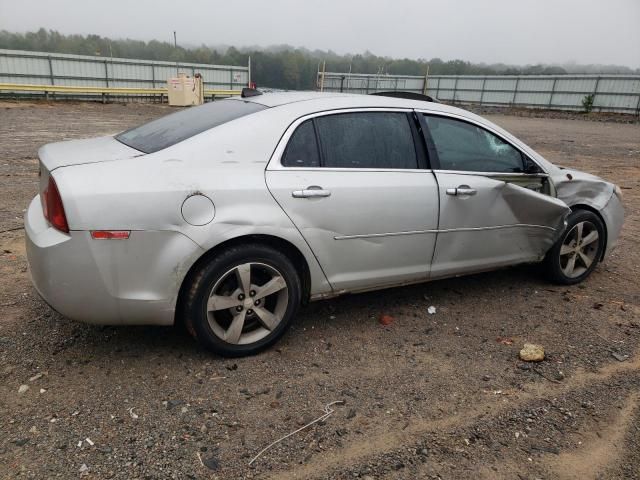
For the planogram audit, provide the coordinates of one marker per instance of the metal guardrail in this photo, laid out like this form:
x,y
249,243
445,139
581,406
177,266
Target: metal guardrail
x,y
104,91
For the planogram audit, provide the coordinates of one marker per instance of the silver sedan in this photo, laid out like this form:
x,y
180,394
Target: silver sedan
x,y
230,215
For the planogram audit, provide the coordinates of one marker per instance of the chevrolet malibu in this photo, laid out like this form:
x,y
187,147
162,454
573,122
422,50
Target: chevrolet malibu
x,y
230,215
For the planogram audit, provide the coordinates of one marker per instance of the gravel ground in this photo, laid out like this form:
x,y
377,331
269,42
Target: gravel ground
x,y
556,114
428,396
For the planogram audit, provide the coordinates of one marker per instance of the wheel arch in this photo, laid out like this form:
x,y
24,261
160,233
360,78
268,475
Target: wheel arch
x,y
582,206
289,249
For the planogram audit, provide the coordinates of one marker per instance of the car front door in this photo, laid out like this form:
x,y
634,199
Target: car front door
x,y
496,205
355,186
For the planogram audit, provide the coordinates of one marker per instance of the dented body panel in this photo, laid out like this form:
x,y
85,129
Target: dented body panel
x,y
574,187
577,188
378,228
502,224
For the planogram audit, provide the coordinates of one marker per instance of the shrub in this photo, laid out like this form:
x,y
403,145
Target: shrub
x,y
587,103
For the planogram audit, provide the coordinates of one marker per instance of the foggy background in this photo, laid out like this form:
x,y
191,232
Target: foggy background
x,y
492,31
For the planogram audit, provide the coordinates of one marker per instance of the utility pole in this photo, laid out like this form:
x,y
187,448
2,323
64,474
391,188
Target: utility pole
x,y
324,68
426,81
175,49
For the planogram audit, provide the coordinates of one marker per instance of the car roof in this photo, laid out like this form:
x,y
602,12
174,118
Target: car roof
x,y
292,105
317,101
275,99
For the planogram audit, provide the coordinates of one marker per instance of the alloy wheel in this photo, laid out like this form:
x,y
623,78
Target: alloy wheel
x,y
247,303
579,249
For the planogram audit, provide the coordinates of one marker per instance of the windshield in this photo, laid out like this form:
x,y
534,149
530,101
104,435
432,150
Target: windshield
x,y
176,127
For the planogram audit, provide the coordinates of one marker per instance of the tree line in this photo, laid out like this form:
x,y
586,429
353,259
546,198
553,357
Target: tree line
x,y
278,67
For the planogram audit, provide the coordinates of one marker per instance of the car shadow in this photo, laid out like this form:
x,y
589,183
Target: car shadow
x,y
73,338
520,280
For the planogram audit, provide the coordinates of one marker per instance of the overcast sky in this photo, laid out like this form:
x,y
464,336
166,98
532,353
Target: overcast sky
x,y
508,31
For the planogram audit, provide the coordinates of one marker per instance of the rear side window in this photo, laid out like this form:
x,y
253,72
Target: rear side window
x,y
171,129
366,140
466,147
302,149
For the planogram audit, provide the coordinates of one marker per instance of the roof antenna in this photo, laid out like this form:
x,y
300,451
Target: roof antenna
x,y
250,92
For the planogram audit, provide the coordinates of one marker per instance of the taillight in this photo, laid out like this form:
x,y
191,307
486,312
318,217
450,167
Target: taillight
x,y
53,208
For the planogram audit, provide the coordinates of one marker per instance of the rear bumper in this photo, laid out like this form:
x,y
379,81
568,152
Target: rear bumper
x,y
108,282
613,215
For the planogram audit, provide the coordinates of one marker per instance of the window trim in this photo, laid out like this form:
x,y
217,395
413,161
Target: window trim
x,y
275,163
435,160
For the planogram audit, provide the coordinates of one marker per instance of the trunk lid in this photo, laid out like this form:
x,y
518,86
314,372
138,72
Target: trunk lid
x,y
77,152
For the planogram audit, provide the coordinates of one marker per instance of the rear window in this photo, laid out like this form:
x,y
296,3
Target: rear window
x,y
171,129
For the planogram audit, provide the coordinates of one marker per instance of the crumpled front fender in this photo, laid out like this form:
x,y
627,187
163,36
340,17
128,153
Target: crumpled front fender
x,y
579,188
574,187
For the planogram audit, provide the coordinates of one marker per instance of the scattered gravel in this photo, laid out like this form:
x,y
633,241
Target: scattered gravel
x,y
440,395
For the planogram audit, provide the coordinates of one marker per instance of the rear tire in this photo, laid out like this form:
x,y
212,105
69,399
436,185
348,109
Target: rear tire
x,y
242,300
577,252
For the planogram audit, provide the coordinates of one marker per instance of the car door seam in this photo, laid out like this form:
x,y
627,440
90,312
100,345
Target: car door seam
x,y
434,162
298,230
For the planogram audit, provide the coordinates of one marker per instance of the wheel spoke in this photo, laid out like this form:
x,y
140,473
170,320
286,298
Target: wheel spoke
x,y
243,273
571,264
565,250
222,302
585,259
232,335
579,228
247,303
268,319
590,238
274,285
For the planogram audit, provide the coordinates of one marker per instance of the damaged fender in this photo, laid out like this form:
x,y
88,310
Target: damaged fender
x,y
579,188
574,187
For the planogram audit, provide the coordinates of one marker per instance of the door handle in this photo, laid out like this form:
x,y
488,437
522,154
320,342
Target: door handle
x,y
314,191
461,190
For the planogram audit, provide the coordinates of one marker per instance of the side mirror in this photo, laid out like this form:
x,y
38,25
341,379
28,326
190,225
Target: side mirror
x,y
530,166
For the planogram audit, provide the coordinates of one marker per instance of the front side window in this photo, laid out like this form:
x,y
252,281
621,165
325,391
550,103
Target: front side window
x,y
465,147
366,140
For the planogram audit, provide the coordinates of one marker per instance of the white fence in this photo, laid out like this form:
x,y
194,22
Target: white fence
x,y
611,93
41,68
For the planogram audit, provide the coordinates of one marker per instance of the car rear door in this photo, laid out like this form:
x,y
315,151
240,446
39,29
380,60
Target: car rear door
x,y
496,204
354,184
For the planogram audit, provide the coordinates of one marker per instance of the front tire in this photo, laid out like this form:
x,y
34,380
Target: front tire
x,y
577,252
243,300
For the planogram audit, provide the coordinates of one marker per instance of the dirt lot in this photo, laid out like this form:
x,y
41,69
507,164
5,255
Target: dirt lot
x,y
429,396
